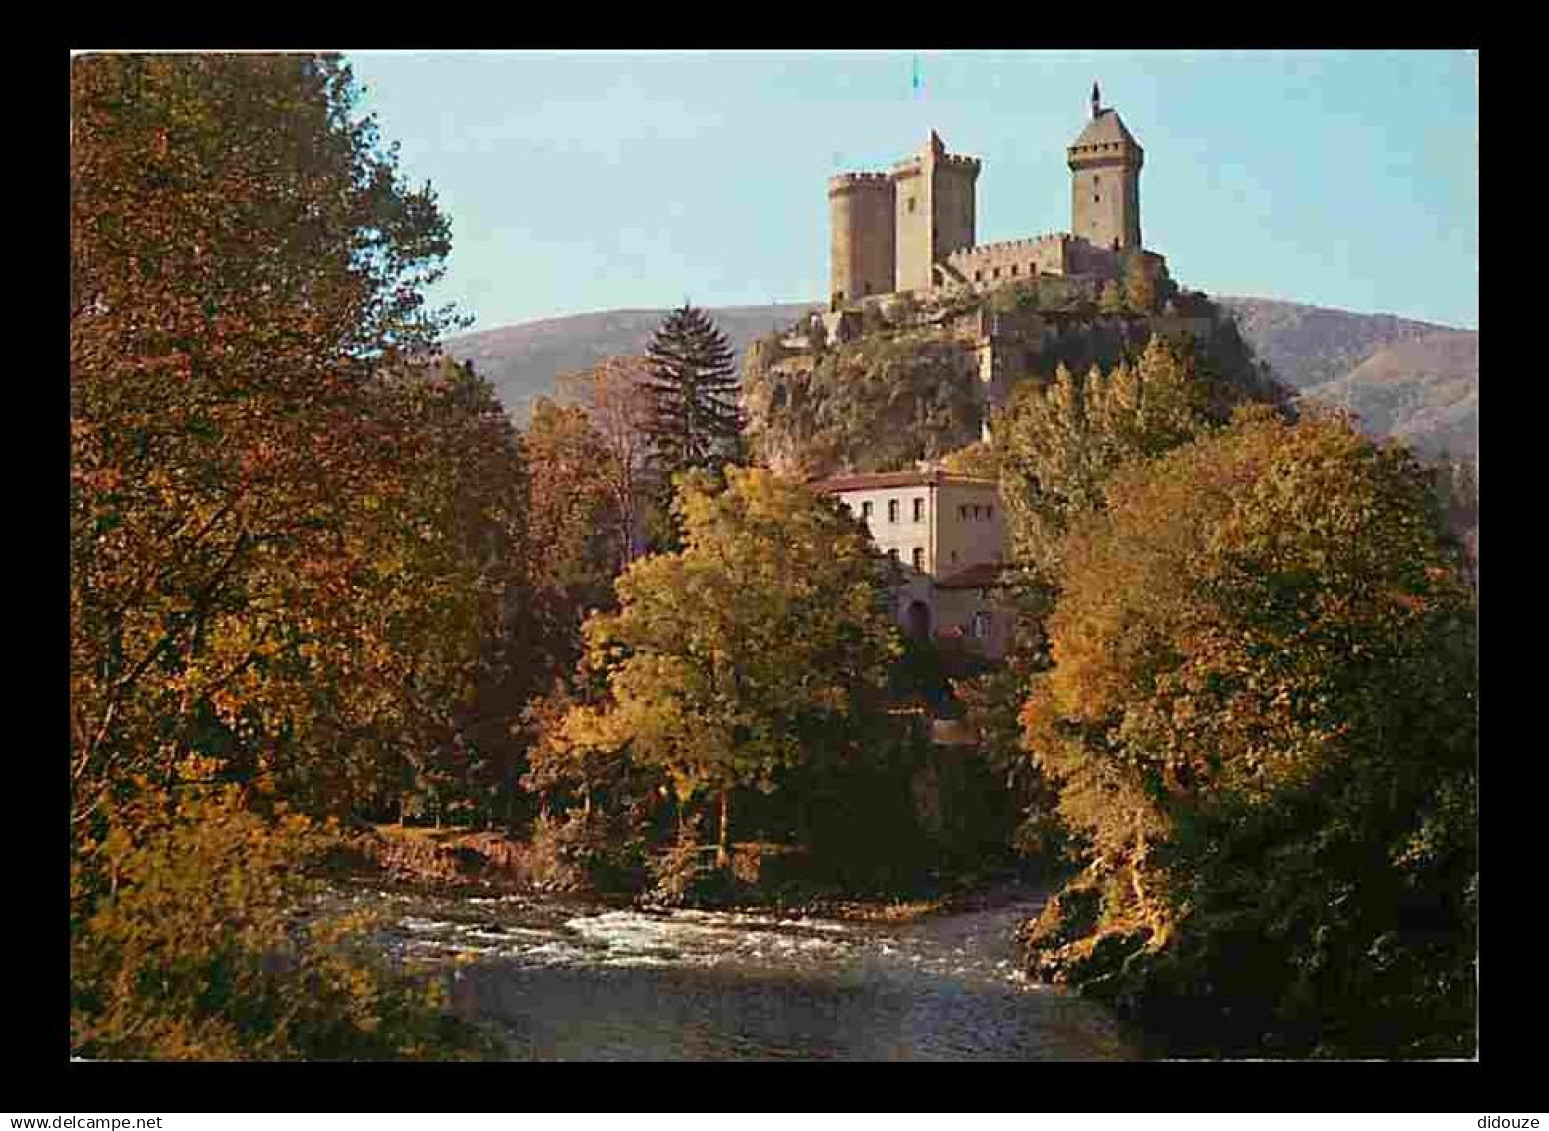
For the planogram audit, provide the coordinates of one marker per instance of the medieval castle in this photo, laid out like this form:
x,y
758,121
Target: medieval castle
x,y
912,229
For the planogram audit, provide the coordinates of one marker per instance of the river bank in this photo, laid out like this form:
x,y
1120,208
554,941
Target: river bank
x,y
481,863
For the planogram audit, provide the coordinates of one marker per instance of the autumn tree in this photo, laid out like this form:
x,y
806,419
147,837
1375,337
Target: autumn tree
x,y
695,419
617,398
289,532
1262,723
1057,443
245,262
1142,289
730,661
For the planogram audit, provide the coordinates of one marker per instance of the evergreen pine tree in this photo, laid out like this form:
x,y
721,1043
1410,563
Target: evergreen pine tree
x,y
694,419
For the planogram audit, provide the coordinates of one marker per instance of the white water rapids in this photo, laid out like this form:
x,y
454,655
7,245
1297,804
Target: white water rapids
x,y
573,981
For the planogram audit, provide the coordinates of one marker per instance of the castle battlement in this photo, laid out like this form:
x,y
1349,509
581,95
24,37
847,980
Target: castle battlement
x,y
912,229
1028,242
958,160
910,166
845,181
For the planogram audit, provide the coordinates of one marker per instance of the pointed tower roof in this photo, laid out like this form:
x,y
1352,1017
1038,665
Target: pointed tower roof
x,y
1105,128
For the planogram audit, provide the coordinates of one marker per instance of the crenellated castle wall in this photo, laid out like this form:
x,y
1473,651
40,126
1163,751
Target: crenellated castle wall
x,y
995,263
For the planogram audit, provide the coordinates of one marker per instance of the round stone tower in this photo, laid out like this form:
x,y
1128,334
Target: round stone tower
x,y
1105,166
860,209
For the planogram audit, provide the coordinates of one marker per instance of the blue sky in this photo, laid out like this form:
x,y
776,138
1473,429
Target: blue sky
x,y
582,181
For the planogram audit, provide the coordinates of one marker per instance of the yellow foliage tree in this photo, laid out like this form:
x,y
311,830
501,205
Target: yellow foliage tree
x,y
1263,690
762,639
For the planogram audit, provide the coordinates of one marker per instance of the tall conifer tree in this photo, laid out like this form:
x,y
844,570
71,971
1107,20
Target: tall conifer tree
x,y
694,419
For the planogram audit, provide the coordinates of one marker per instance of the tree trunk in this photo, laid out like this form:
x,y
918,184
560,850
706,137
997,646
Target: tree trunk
x,y
722,856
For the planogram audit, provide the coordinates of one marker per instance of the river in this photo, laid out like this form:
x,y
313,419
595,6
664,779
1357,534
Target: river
x,y
567,980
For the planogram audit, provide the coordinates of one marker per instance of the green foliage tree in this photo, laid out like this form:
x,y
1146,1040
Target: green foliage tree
x,y
1262,722
730,661
695,421
1057,444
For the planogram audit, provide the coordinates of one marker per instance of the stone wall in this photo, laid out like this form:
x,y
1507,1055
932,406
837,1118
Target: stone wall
x,y
989,265
1105,199
861,250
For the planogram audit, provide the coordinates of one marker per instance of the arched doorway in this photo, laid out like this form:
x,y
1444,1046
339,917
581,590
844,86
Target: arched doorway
x,y
917,620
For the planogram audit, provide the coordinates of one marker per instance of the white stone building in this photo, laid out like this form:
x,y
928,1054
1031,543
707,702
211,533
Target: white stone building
x,y
948,532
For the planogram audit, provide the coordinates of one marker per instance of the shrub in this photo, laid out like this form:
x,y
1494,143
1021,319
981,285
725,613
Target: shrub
x,y
195,937
581,851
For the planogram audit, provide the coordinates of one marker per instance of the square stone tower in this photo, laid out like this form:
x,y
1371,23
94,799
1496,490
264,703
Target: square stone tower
x,y
1105,163
934,192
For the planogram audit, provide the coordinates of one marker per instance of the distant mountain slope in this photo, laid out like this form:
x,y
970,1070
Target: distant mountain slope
x,y
1425,390
1406,378
523,361
1310,345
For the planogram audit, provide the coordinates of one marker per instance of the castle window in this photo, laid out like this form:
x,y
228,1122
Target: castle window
x,y
919,510
893,553
1096,199
981,628
962,513
910,202
866,509
1013,268
919,558
892,510
995,273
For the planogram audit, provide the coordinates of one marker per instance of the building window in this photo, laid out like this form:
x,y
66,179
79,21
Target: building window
x,y
989,512
893,553
866,509
919,510
1096,199
981,626
954,557
919,558
1013,268
892,510
910,202
962,513
995,273
1096,180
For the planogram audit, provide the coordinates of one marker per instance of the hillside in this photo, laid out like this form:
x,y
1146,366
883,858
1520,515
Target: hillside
x,y
1308,346
522,361
1413,379
1425,390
